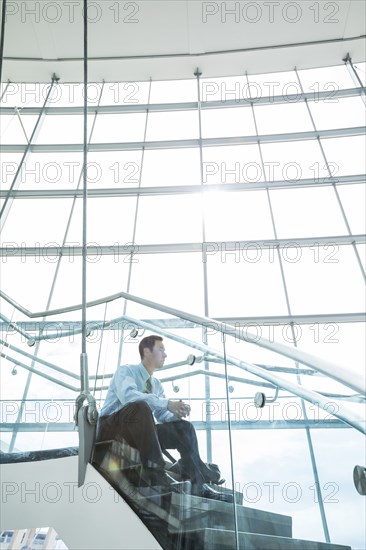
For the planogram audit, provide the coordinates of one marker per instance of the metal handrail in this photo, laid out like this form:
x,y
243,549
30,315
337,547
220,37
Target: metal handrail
x,y
336,372
39,373
52,366
317,399
355,398
320,400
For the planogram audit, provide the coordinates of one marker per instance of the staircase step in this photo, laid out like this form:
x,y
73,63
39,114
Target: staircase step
x,y
217,539
188,512
194,518
152,500
114,455
196,512
118,455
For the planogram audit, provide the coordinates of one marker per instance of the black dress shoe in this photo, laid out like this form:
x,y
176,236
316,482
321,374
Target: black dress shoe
x,y
205,491
156,476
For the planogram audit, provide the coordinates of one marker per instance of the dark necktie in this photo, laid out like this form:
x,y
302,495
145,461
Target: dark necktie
x,y
148,385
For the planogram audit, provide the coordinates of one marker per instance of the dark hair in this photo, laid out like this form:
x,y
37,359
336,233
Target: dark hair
x,y
148,342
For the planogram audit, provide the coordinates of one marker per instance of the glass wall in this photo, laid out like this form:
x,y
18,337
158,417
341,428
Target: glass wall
x,y
244,206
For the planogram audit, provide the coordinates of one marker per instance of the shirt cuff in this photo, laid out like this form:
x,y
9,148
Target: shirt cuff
x,y
164,403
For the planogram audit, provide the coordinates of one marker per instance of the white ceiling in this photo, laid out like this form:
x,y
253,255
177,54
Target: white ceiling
x,y
168,39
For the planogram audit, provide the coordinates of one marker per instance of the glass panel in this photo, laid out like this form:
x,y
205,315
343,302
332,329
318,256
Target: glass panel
x,y
338,113
172,125
119,128
291,489
25,94
117,228
163,286
56,129
15,130
9,311
37,275
232,164
179,524
353,199
117,169
173,91
9,163
325,79
125,93
281,119
171,167
58,404
362,252
60,348
245,283
250,350
347,447
45,171
13,378
68,286
224,89
168,219
337,342
5,438
72,94
235,121
278,478
237,216
43,222
347,155
294,161
300,213
361,71
29,441
322,270
274,84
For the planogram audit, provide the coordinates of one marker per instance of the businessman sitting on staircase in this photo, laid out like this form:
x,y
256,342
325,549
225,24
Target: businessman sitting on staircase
x,y
137,410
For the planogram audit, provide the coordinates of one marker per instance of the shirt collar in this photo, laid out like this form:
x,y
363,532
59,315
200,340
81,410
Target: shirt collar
x,y
144,372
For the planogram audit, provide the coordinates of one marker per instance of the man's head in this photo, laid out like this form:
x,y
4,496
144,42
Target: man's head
x,y
152,351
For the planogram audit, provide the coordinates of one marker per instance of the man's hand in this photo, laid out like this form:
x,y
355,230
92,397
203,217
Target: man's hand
x,y
178,408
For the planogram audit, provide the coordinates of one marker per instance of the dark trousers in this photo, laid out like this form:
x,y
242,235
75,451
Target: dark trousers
x,y
135,424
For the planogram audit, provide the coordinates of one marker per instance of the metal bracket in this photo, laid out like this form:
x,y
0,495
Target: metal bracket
x,y
92,411
359,479
260,399
191,359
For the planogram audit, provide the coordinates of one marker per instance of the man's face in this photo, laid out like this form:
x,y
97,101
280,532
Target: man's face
x,y
158,354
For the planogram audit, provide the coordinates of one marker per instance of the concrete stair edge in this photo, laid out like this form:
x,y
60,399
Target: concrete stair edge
x,y
215,538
